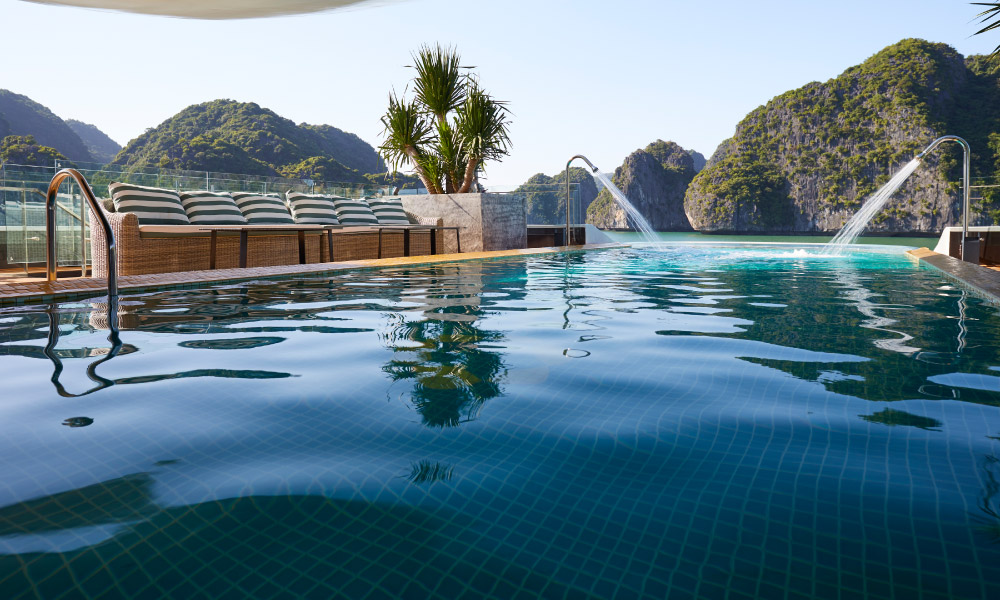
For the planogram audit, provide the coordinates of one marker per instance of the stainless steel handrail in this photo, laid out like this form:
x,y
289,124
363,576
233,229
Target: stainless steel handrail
x,y
95,208
594,169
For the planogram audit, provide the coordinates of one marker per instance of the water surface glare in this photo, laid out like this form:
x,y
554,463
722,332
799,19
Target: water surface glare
x,y
691,421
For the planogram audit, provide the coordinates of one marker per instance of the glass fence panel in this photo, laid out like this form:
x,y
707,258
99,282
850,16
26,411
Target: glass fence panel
x,y
546,203
22,232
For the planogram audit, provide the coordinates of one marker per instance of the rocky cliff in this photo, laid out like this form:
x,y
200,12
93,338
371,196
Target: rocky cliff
x,y
654,179
807,160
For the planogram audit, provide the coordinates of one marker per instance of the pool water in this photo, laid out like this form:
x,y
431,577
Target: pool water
x,y
706,422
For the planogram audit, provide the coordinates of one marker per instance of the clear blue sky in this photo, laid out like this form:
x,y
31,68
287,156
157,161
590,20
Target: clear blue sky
x,y
600,78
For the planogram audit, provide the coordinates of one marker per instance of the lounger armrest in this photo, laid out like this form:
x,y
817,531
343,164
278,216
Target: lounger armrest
x,y
125,228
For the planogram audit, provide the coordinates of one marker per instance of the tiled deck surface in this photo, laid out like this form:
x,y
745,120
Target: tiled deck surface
x,y
25,290
35,275
984,280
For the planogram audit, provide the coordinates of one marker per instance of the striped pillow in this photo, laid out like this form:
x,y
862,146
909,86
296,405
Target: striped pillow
x,y
153,206
389,211
312,209
211,208
354,212
261,209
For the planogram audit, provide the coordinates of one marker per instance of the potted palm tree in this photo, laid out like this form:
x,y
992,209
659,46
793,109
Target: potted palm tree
x,y
446,133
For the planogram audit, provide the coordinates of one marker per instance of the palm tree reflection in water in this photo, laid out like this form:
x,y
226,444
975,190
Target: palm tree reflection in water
x,y
444,352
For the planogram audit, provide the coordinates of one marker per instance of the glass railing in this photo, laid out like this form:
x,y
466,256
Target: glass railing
x,y
546,203
100,176
22,225
23,189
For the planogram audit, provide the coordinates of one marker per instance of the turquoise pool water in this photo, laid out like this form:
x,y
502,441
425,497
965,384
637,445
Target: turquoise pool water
x,y
731,421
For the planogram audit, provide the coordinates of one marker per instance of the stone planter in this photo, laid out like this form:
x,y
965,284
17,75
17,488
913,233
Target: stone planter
x,y
488,221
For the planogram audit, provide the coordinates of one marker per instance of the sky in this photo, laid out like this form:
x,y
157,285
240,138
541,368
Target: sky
x,y
599,78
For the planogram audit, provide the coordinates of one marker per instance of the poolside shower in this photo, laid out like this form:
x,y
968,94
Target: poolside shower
x,y
634,216
570,162
859,222
966,170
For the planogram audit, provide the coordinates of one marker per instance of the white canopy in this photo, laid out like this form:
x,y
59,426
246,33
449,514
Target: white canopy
x,y
210,9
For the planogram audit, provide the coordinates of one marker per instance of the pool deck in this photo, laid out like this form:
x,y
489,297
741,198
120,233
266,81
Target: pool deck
x,y
22,291
983,281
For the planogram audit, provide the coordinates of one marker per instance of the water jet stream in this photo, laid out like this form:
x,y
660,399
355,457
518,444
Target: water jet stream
x,y
859,222
634,216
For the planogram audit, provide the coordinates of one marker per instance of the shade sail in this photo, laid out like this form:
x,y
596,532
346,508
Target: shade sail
x,y
210,9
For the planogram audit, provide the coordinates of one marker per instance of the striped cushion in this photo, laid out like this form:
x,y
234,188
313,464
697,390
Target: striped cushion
x,y
354,212
211,208
263,209
313,209
389,211
153,206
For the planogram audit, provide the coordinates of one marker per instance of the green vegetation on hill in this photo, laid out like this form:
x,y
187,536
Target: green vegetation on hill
x,y
546,196
23,116
806,160
100,146
236,137
346,148
24,150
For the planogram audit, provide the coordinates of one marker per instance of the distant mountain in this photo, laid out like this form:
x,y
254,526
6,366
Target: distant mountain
x,y
101,147
546,196
807,160
23,116
347,148
654,179
242,137
698,159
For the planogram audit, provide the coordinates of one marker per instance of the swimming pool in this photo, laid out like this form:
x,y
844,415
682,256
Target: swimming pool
x,y
728,421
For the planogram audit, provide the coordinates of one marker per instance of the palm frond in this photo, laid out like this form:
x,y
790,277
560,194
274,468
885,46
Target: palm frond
x,y
406,131
451,150
989,17
440,83
483,124
433,172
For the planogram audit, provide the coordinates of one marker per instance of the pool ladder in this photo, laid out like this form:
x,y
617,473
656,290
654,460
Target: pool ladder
x,y
51,265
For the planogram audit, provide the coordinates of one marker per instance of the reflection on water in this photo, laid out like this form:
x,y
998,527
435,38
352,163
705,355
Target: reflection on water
x,y
691,422
989,500
893,418
426,471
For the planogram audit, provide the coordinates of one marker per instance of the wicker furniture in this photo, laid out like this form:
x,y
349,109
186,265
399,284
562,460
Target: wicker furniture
x,y
171,248
244,233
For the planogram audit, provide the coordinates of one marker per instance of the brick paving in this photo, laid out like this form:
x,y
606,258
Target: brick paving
x,y
24,290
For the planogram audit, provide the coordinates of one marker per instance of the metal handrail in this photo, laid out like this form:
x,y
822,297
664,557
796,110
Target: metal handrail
x,y
593,168
95,208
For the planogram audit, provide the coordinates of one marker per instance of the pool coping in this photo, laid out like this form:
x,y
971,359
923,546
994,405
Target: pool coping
x,y
980,281
16,294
